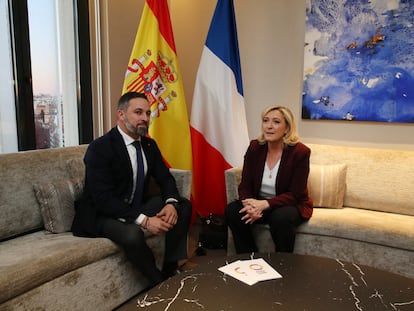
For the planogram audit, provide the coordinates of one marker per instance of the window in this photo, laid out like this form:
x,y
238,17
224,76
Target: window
x,y
8,130
47,99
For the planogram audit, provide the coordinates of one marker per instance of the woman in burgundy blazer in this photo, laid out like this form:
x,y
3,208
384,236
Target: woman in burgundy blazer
x,y
273,189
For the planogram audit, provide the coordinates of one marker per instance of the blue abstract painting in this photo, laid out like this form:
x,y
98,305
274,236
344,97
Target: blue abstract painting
x,y
359,60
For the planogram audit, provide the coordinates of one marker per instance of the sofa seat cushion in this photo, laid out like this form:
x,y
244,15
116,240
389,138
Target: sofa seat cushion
x,y
31,260
375,227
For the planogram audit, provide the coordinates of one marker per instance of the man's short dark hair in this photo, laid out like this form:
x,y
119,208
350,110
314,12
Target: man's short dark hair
x,y
123,102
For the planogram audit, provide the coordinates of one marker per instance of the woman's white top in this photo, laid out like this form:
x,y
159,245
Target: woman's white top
x,y
268,189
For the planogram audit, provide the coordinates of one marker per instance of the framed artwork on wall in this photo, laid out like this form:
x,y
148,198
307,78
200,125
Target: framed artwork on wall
x,y
359,61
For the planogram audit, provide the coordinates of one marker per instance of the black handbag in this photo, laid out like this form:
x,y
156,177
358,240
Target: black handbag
x,y
213,232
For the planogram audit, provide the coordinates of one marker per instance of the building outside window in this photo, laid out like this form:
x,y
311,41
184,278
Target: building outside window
x,y
41,98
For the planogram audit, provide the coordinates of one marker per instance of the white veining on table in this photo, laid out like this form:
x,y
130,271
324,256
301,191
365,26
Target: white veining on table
x,y
361,288
145,302
357,301
395,304
376,294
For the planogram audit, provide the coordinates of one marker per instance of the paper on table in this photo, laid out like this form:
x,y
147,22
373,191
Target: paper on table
x,y
235,270
250,271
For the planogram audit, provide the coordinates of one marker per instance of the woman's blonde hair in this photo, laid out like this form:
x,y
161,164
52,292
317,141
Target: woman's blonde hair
x,y
291,137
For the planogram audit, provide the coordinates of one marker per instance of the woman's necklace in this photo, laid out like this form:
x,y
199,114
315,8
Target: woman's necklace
x,y
271,172
275,160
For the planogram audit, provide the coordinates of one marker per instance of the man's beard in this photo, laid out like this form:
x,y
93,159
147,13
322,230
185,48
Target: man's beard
x,y
141,131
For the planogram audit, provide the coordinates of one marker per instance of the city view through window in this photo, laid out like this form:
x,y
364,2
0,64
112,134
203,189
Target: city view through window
x,y
48,121
53,51
40,72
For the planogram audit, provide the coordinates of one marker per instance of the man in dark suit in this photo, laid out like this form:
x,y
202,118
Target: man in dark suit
x,y
115,203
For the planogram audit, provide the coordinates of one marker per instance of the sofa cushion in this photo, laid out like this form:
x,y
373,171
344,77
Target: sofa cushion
x,y
374,227
346,224
33,259
56,200
327,185
20,210
376,179
76,168
102,285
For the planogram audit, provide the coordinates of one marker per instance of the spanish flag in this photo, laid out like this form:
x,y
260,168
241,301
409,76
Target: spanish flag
x,y
153,68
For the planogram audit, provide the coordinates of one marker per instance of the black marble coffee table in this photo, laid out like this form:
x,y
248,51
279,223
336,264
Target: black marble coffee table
x,y
308,283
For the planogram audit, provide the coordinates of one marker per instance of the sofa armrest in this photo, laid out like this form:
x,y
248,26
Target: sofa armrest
x,y
183,179
232,178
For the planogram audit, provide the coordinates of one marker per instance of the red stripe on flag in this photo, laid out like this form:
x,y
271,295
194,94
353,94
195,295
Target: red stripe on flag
x,y
136,84
208,177
160,10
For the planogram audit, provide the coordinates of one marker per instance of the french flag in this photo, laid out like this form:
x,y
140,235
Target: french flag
x,y
219,134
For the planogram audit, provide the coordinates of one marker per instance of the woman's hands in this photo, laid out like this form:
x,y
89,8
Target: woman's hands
x,y
253,209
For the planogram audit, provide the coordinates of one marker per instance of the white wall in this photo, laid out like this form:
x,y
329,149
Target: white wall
x,y
271,41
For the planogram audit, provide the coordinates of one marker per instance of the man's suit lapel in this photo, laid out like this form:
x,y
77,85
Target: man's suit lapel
x,y
146,147
121,150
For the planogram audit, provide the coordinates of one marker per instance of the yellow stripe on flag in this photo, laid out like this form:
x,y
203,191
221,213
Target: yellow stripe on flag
x,y
153,68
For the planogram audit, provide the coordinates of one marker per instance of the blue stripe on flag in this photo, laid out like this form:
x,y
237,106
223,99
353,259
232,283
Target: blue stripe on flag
x,y
222,39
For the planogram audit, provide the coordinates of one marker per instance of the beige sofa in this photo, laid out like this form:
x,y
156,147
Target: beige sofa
x,y
366,213
40,270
